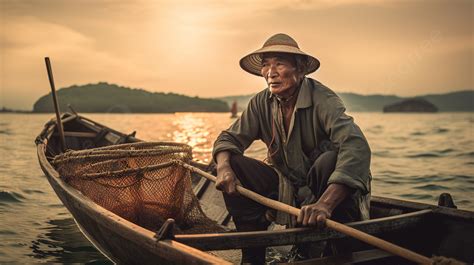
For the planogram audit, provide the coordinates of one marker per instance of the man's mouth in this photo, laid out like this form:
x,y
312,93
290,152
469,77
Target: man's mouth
x,y
274,83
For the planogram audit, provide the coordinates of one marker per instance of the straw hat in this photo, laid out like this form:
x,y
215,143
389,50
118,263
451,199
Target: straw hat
x,y
280,42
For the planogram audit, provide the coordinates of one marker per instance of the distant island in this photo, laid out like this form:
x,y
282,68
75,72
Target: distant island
x,y
110,98
7,110
411,105
449,102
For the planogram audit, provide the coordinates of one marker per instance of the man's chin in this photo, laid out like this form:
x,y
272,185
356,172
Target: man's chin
x,y
275,90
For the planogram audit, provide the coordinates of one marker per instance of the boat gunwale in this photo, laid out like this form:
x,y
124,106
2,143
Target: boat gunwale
x,y
459,214
289,236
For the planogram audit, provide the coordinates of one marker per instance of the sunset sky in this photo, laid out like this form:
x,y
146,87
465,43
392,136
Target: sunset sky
x,y
404,47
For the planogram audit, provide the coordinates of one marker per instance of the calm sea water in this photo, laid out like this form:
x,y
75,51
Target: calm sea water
x,y
415,157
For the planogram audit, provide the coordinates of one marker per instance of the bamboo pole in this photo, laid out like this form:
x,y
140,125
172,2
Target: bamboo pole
x,y
56,107
347,230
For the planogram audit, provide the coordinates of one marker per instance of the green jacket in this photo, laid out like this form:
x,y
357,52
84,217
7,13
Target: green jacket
x,y
318,124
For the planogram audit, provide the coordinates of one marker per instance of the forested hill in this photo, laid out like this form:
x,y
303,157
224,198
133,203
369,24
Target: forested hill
x,y
110,98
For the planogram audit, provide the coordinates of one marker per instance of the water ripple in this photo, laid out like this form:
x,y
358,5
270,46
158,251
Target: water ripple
x,y
431,187
417,196
427,154
382,153
405,180
447,150
463,177
6,132
10,197
389,172
29,191
7,232
468,154
60,238
441,130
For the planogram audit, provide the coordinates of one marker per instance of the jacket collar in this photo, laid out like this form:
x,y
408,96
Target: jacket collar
x,y
304,99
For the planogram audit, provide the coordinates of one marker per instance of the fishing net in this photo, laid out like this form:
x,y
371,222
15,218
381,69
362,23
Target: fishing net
x,y
141,182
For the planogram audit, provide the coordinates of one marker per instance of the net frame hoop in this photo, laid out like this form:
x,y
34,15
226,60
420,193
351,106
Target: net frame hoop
x,y
118,173
117,151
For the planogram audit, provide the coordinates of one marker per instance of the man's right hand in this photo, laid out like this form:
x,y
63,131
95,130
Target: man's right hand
x,y
226,180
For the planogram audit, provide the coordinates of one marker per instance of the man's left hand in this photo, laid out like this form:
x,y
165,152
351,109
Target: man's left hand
x,y
314,214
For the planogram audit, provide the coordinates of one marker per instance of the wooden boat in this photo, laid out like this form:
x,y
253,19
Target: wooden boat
x,y
426,229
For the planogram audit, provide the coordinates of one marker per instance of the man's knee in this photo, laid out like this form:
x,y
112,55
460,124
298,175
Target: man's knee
x,y
323,166
326,160
320,172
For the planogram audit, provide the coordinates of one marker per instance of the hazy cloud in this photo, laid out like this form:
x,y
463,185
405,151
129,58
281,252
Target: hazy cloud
x,y
365,46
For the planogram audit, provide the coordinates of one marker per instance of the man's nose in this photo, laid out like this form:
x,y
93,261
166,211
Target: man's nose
x,y
272,72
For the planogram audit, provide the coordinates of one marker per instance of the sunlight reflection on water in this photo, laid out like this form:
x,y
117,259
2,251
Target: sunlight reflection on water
x,y
193,130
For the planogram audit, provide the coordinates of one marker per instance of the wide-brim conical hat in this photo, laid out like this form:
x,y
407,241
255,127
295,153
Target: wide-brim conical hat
x,y
278,43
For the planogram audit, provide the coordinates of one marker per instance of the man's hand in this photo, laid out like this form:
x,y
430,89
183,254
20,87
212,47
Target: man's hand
x,y
317,213
226,180
314,214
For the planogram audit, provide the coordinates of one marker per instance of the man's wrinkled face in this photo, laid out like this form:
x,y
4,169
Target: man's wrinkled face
x,y
281,74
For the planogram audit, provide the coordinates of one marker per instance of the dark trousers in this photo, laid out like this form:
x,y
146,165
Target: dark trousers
x,y
262,179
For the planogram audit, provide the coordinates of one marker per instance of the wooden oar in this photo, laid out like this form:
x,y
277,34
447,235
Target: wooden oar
x,y
369,239
55,102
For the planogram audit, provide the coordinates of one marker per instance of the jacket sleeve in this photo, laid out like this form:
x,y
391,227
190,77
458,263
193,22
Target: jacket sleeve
x,y
241,133
353,160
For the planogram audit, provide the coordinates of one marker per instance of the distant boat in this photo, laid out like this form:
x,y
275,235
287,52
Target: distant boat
x,y
233,110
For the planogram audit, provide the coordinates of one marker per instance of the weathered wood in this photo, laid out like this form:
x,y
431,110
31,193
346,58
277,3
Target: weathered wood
x,y
378,242
47,131
298,235
56,107
348,258
201,187
68,117
212,203
79,134
377,201
166,230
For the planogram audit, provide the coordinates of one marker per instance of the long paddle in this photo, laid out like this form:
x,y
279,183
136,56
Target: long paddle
x,y
55,102
372,240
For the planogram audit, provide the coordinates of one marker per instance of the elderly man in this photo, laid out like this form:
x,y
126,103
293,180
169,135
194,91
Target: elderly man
x,y
318,158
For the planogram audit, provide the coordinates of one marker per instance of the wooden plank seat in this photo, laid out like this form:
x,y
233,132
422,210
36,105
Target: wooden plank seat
x,y
79,134
291,236
347,258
